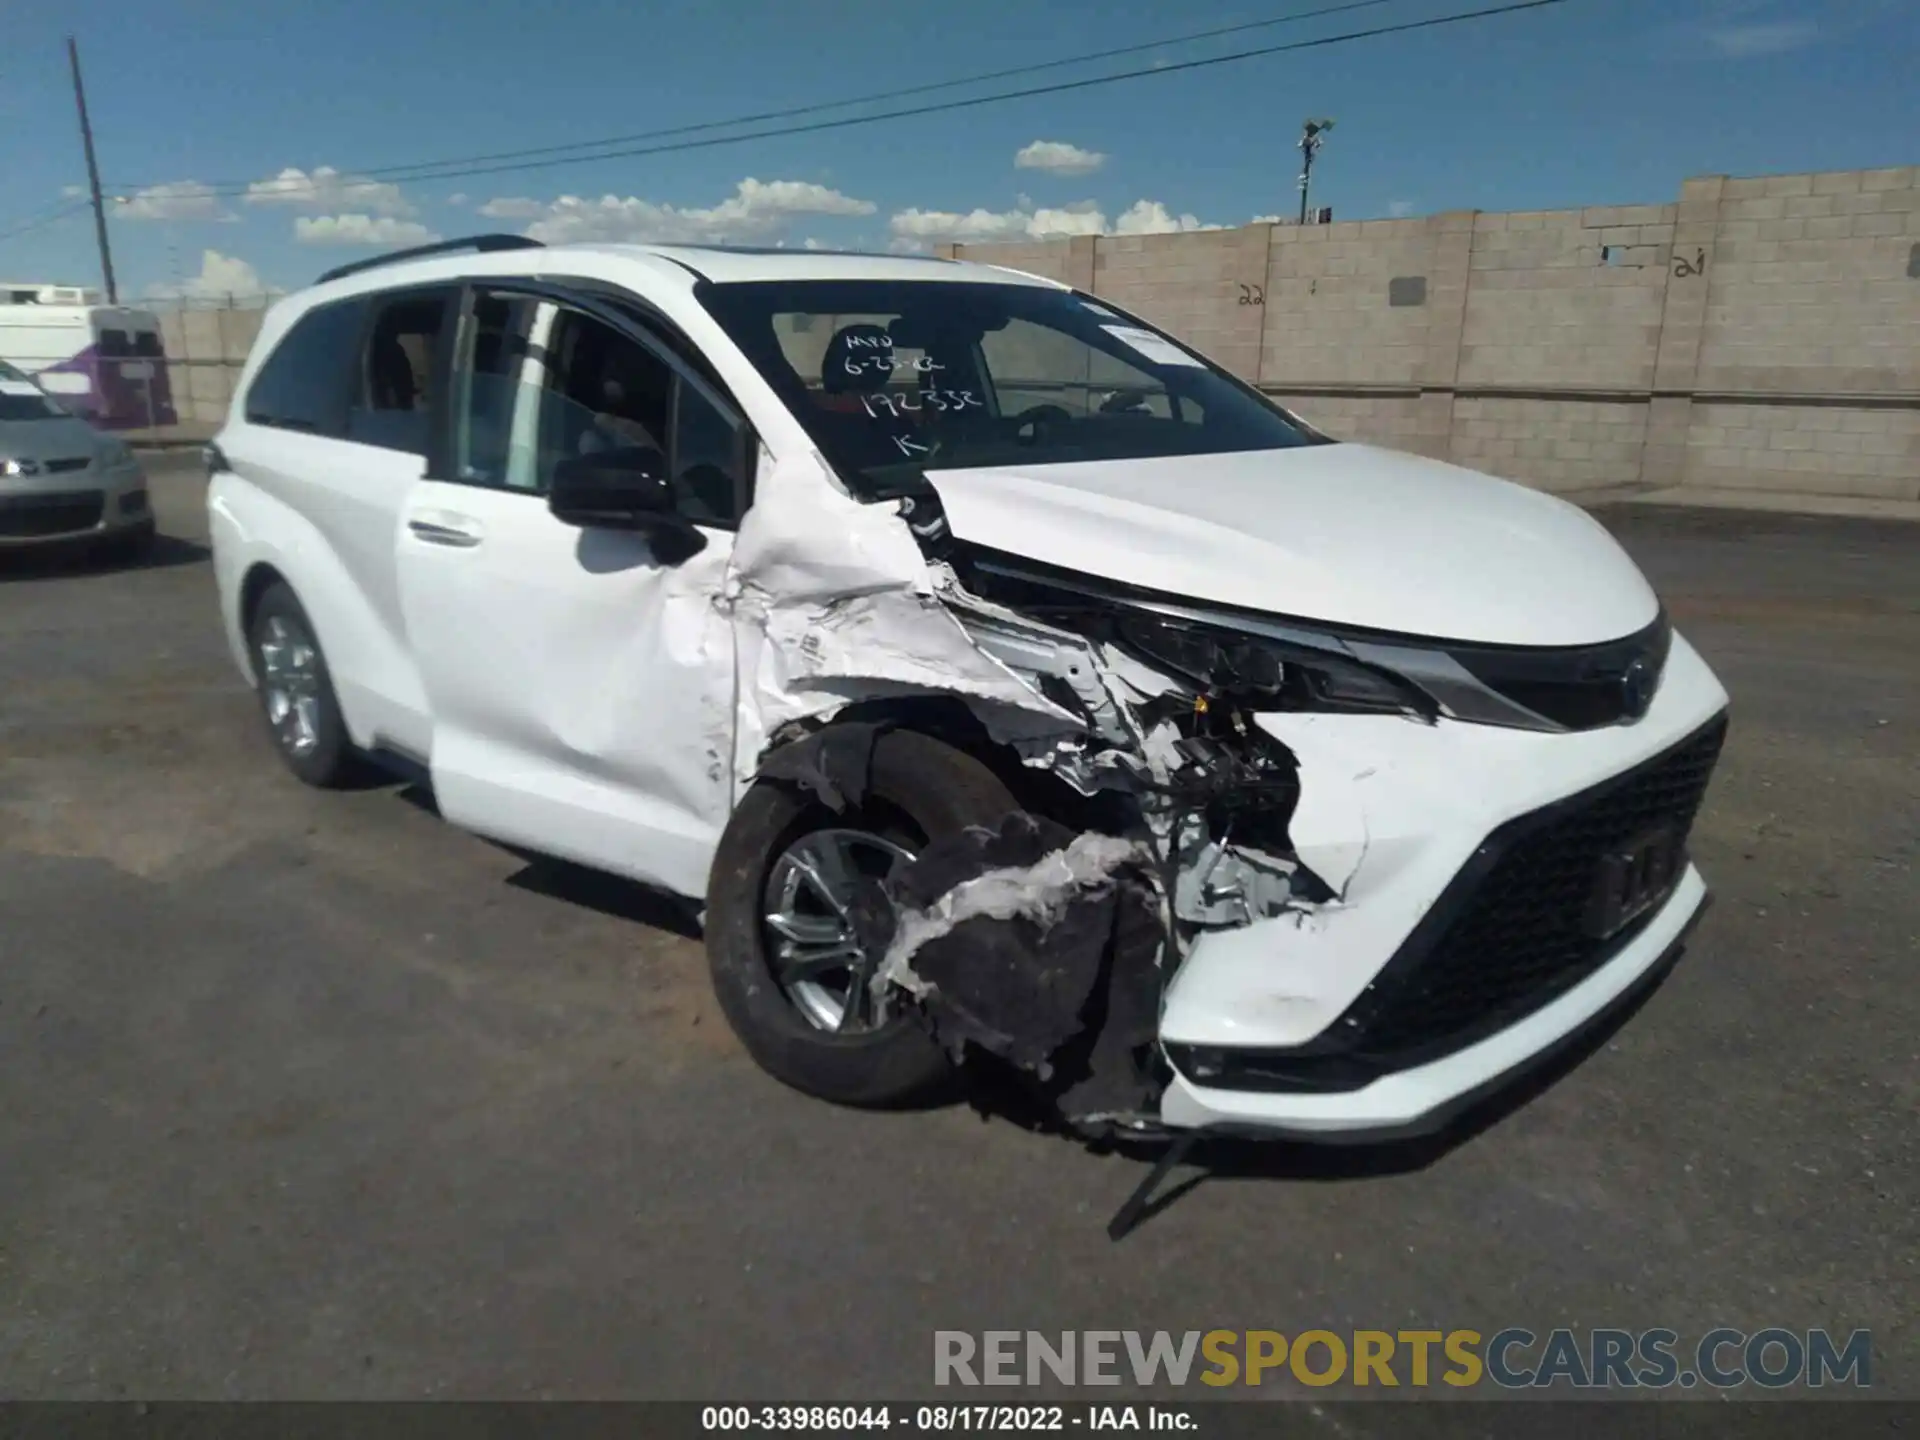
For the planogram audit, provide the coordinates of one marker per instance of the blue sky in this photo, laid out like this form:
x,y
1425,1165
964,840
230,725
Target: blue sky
x,y
1586,102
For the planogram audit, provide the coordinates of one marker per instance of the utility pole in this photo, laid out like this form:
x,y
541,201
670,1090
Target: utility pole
x,y
1311,138
93,175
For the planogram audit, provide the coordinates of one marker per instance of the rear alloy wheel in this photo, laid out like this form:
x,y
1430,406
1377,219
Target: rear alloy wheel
x,y
296,692
787,969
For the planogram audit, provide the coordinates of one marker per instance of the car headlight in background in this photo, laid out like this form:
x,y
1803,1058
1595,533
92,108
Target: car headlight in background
x,y
1265,671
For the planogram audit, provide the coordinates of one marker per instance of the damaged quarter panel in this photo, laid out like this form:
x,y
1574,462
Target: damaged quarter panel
x,y
832,602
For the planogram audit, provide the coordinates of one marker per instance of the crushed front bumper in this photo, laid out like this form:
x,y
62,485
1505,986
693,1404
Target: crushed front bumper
x,y
1425,1097
1455,953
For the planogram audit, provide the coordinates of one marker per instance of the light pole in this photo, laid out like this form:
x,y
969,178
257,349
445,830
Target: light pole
x,y
1311,139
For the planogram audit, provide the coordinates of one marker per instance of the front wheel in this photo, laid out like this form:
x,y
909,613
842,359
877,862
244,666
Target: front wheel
x,y
780,941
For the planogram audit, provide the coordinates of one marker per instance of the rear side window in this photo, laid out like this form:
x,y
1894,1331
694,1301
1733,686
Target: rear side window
x,y
146,343
114,344
394,383
304,384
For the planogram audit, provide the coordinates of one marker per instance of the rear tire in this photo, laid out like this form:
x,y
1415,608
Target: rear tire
x,y
296,692
936,790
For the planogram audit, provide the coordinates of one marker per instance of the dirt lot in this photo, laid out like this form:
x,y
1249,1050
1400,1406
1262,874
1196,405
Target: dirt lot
x,y
309,1095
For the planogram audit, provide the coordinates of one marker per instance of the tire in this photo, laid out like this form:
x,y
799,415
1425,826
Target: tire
x,y
916,781
322,754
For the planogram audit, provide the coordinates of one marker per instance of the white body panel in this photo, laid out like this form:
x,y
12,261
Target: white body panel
x,y
326,514
1354,534
581,691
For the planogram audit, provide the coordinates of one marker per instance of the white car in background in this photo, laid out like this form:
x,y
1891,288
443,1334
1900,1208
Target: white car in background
x,y
61,481
998,674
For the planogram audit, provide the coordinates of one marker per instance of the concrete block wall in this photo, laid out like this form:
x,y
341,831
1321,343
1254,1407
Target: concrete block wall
x,y
1566,297
1808,290
205,350
1557,445
1754,334
1327,304
1212,283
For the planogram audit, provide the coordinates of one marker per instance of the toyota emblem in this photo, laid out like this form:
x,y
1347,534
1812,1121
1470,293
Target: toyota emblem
x,y
1637,683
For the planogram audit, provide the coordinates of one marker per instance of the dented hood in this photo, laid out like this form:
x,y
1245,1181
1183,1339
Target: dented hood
x,y
1347,534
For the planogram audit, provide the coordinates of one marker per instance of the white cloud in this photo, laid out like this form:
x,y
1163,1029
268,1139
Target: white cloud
x,y
758,212
1150,217
1766,37
1058,158
219,275
1400,209
508,207
173,200
459,197
325,188
915,229
73,192
356,229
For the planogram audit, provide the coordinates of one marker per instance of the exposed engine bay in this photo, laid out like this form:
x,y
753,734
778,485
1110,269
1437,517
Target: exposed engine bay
x,y
1048,941
1254,864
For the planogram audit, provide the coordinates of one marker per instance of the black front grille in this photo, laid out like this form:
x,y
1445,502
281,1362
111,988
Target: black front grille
x,y
68,465
23,517
1508,935
1581,687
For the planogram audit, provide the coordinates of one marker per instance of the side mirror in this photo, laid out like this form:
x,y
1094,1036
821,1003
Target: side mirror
x,y
625,489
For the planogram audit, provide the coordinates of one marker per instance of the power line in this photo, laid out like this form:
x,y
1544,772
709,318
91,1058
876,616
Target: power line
x,y
461,170
64,211
815,108
427,169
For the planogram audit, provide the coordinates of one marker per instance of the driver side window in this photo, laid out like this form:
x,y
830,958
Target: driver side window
x,y
546,384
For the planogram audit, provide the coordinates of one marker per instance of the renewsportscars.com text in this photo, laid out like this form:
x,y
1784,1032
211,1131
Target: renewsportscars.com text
x,y
1512,1358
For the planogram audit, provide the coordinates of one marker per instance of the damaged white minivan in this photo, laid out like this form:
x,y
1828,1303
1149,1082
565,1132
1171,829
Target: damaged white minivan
x,y
1000,676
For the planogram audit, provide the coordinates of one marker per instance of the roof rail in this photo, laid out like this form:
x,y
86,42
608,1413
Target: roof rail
x,y
481,243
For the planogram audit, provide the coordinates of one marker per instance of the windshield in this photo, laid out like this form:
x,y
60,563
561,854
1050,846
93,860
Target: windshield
x,y
21,399
894,378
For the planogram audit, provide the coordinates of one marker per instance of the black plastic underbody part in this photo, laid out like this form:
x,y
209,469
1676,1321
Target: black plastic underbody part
x,y
1505,938
1071,996
834,764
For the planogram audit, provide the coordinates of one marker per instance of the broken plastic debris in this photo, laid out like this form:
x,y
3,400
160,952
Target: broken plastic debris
x,y
1008,939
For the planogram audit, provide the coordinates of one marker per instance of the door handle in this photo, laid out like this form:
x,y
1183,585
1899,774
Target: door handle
x,y
452,535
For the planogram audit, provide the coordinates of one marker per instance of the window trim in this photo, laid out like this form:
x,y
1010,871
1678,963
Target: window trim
x,y
604,306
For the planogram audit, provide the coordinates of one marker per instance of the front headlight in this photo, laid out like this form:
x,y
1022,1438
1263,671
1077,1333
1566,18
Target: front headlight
x,y
1267,672
10,467
111,454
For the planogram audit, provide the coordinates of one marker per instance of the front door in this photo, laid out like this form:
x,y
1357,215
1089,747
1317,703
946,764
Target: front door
x,y
581,685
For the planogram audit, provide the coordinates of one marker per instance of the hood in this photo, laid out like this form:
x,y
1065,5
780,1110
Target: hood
x,y
58,437
1346,534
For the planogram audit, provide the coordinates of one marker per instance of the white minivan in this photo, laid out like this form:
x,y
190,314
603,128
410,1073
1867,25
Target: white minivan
x,y
998,675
